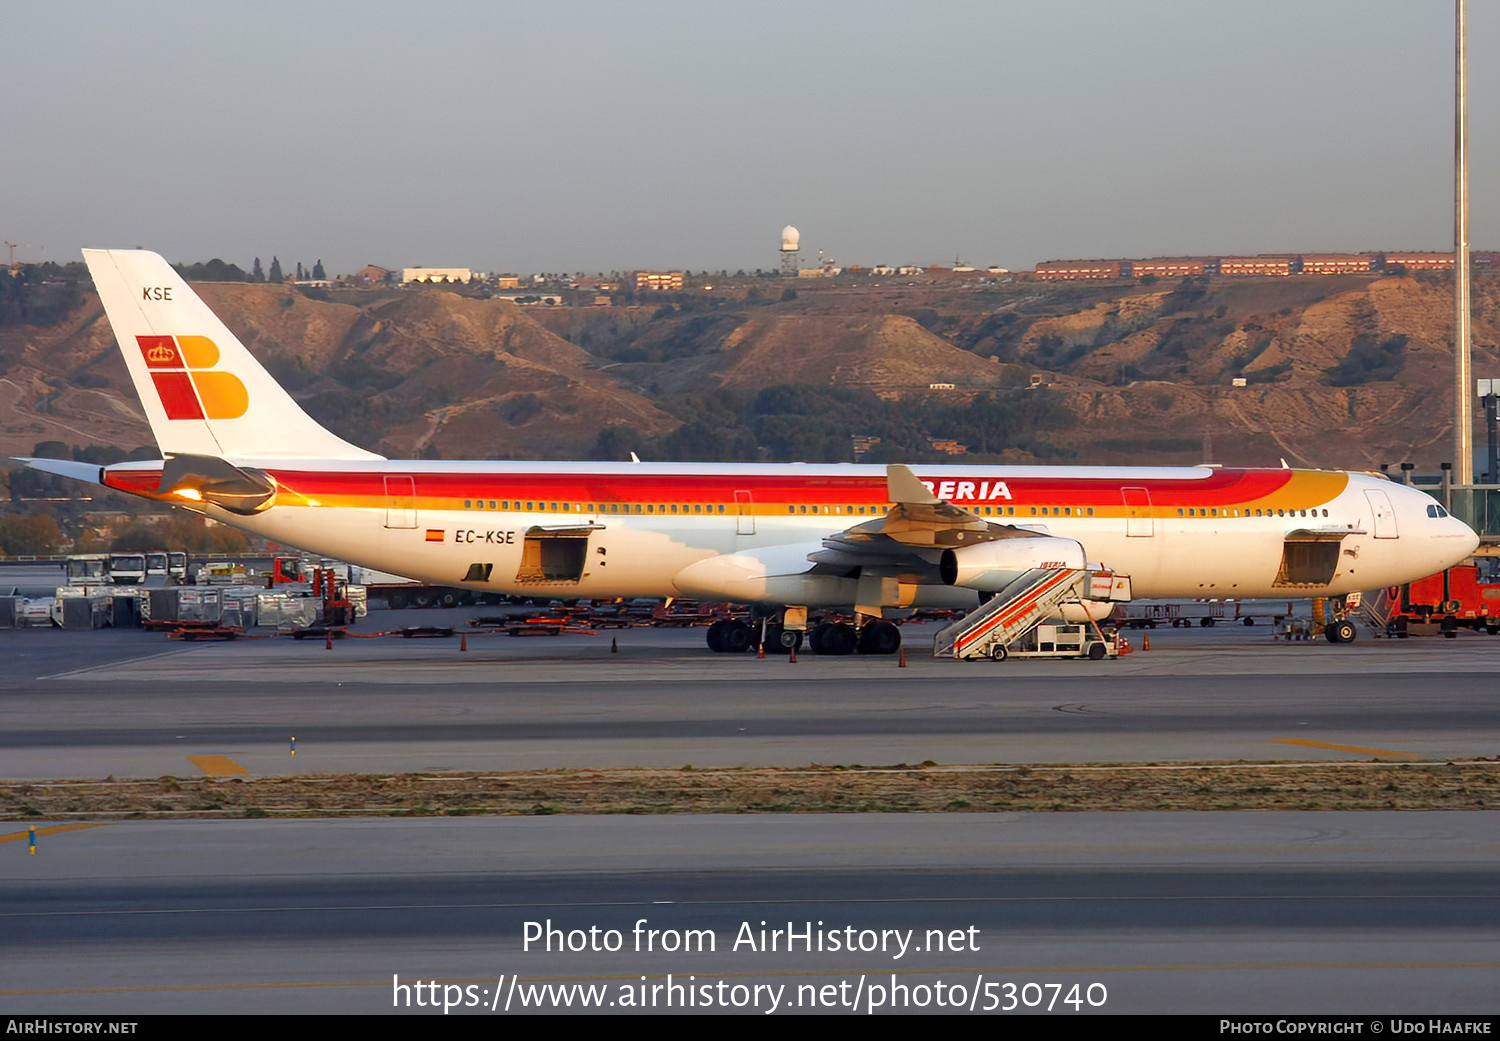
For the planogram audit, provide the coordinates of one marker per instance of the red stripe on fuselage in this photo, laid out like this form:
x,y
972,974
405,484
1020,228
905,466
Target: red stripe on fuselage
x,y
1221,487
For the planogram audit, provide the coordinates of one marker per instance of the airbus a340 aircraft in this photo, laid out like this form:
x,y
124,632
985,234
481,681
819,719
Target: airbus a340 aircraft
x,y
784,538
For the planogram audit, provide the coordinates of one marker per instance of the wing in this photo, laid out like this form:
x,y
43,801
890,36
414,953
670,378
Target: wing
x,y
920,541
916,530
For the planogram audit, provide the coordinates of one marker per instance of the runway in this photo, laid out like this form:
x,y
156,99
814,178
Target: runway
x,y
134,705
1368,913
1204,912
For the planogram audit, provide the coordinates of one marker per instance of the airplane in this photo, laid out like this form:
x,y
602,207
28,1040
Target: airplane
x,y
785,539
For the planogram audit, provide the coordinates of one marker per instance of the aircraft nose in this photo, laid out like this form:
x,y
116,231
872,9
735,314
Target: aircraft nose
x,y
1467,536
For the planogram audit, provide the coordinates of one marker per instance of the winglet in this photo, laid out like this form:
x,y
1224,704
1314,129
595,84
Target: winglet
x,y
901,485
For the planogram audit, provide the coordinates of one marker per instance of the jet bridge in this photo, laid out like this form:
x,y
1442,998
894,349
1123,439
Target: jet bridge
x,y
990,630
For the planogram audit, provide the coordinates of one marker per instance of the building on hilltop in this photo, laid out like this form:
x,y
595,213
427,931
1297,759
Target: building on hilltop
x,y
658,281
435,274
1067,270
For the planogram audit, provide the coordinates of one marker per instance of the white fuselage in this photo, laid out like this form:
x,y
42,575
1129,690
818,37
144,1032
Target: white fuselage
x,y
1177,532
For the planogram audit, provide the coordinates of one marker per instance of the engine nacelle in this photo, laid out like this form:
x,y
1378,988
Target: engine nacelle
x,y
769,574
991,566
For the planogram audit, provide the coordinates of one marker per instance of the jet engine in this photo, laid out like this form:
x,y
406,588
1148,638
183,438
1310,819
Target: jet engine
x,y
991,566
769,574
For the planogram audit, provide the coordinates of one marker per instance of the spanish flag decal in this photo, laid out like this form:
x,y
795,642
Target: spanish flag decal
x,y
434,534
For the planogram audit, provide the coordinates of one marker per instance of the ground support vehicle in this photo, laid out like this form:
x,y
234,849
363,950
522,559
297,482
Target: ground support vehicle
x,y
1438,605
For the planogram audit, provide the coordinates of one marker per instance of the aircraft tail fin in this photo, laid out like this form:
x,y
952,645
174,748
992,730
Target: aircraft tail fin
x,y
203,391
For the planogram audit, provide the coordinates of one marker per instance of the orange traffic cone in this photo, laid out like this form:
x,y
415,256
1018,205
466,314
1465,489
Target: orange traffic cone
x,y
1146,642
901,661
463,642
328,639
760,649
792,657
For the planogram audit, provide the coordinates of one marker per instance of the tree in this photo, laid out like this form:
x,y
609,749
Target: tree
x,y
256,273
32,534
275,275
318,270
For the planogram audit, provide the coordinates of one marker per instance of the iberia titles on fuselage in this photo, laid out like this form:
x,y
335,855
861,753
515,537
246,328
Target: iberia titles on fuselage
x,y
237,448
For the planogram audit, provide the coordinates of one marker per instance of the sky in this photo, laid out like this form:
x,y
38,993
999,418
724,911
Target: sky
x,y
600,136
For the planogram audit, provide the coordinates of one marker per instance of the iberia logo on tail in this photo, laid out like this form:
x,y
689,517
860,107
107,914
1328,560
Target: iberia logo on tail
x,y
182,368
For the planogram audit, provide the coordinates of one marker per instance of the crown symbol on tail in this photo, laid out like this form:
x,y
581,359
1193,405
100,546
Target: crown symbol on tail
x,y
161,354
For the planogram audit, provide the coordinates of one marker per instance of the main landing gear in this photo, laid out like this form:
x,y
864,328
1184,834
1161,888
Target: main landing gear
x,y
731,636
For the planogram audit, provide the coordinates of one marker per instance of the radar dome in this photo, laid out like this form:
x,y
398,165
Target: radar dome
x,y
790,238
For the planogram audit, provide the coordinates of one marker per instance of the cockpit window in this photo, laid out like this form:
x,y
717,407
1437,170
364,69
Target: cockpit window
x,y
1436,511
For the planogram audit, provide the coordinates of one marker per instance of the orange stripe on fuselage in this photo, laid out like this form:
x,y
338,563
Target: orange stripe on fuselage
x,y
1221,489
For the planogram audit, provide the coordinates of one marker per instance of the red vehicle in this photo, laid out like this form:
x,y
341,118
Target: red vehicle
x,y
1449,601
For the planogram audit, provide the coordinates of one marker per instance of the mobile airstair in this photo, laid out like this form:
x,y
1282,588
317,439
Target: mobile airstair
x,y
1005,620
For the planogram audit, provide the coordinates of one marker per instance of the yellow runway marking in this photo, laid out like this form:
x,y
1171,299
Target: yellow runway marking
x,y
217,765
55,829
1356,749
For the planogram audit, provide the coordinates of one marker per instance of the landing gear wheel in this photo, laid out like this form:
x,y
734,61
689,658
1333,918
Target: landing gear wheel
x,y
1340,632
815,638
999,652
448,598
423,598
716,641
782,641
833,639
1205,623
1249,621
879,638
395,601
841,639
738,637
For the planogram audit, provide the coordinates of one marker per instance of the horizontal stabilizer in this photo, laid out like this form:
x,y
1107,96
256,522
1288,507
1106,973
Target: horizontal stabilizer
x,y
91,473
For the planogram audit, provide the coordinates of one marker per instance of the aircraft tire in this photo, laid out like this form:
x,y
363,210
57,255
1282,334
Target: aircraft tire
x,y
423,598
716,641
838,640
1341,632
773,644
395,601
879,638
815,637
738,638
